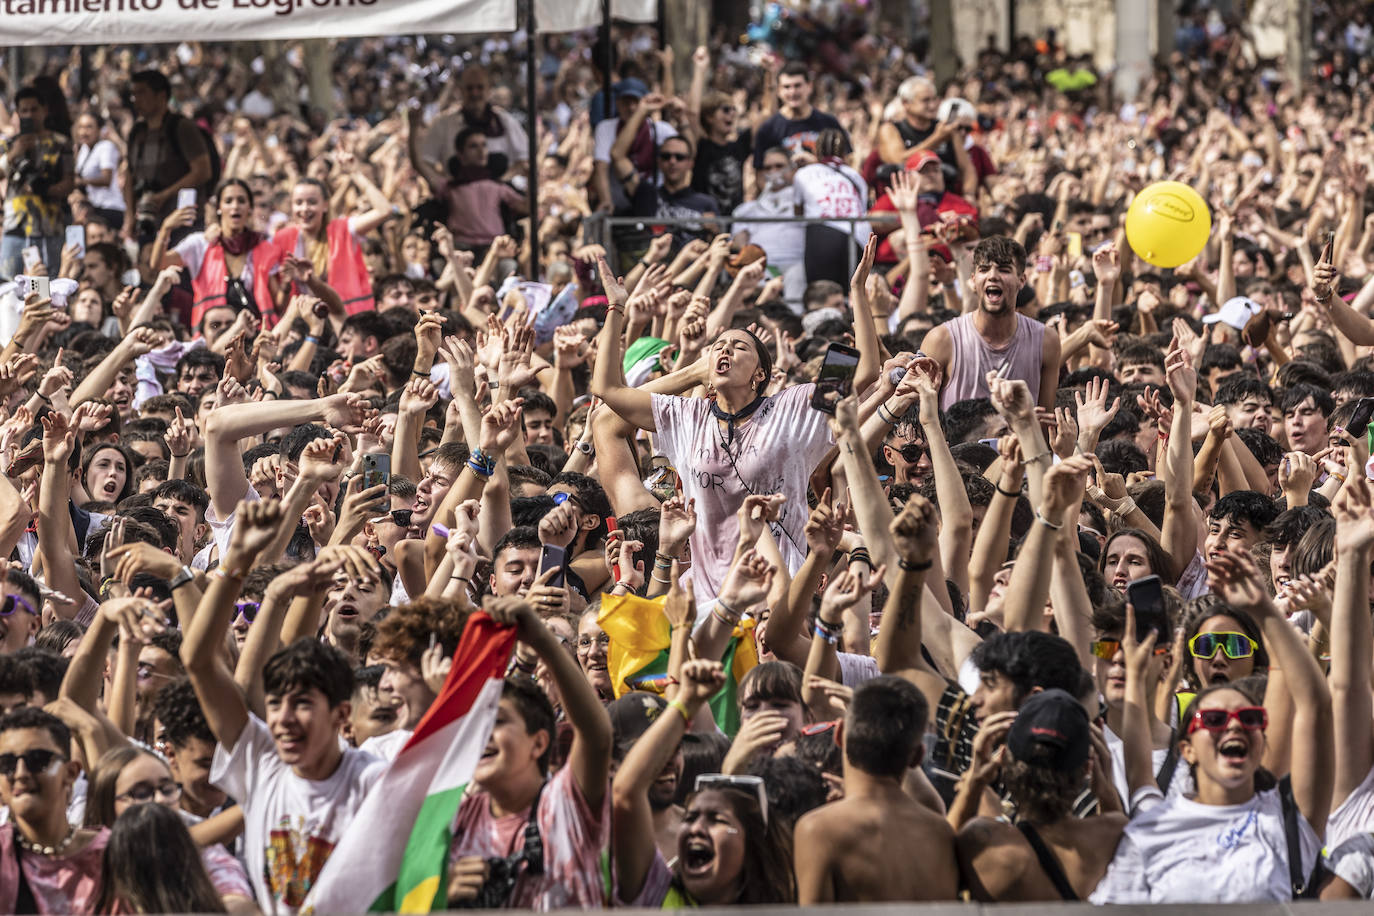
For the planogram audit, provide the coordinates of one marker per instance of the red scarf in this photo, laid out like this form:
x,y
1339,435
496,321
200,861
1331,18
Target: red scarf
x,y
241,244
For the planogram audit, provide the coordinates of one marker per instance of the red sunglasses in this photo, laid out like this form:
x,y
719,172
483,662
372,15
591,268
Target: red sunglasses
x,y
1251,718
820,728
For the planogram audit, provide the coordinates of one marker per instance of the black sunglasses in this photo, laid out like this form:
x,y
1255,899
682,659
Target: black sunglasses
x,y
401,517
36,761
911,452
673,157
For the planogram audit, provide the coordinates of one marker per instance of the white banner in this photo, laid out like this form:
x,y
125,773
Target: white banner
x,y
59,22
570,15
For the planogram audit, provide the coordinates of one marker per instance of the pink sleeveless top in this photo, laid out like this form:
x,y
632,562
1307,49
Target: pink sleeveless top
x,y
972,359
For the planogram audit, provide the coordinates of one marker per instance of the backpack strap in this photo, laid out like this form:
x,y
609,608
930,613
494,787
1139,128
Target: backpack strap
x,y
1165,777
1049,862
1304,886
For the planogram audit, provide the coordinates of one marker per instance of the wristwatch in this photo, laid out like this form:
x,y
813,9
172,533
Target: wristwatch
x,y
585,448
182,578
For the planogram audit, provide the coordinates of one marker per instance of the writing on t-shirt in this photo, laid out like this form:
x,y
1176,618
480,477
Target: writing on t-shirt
x,y
288,875
1230,839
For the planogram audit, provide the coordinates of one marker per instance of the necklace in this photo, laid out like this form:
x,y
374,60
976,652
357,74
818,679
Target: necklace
x,y
37,849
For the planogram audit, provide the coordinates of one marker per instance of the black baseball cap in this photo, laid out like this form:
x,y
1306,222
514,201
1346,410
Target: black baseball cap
x,y
1051,730
631,715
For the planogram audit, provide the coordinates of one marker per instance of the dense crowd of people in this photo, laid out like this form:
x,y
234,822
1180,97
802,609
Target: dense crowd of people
x,y
1056,586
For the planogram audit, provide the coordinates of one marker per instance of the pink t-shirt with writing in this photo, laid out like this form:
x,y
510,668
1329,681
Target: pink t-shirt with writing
x,y
573,836
774,452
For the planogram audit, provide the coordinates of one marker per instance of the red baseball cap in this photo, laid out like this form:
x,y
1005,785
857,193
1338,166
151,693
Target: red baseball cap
x,y
919,159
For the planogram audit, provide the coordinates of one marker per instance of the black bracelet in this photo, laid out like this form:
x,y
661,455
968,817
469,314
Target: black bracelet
x,y
915,567
418,374
1012,493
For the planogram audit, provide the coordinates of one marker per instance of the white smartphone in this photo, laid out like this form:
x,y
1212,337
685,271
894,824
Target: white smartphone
x,y
32,256
40,285
76,237
186,197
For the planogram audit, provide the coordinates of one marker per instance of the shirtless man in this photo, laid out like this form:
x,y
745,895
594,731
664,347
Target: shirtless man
x,y
1044,765
877,843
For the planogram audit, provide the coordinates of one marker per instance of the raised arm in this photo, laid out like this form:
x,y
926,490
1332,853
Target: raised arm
x,y
225,708
632,830
1351,638
1236,579
871,508
956,513
590,757
1180,523
914,544
102,377
224,475
865,333
54,520
608,380
824,528
1138,747
1029,589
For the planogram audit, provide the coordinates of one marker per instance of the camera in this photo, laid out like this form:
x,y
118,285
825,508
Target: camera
x,y
503,872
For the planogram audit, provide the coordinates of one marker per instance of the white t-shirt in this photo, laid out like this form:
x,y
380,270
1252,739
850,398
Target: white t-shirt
x,y
774,452
386,746
1354,816
91,161
825,192
1180,851
290,824
603,138
223,530
1182,783
784,243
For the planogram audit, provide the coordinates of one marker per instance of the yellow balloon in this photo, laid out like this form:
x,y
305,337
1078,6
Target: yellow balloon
x,y
1168,224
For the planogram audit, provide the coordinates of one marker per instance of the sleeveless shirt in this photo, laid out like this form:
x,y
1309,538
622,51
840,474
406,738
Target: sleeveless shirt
x,y
971,359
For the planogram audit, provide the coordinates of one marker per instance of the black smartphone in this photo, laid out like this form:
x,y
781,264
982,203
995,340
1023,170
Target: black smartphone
x,y
376,469
27,126
1147,597
1327,248
1359,420
836,378
553,557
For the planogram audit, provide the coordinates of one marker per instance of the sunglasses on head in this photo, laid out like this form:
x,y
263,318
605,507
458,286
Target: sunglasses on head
x,y
38,760
1235,645
14,602
1106,649
247,609
673,157
1251,718
750,785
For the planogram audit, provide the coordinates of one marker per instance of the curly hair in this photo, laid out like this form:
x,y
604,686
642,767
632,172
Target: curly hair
x,y
404,634
1042,795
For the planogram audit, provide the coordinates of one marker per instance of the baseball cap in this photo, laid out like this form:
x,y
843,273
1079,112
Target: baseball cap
x,y
1051,730
632,714
634,88
919,159
1235,312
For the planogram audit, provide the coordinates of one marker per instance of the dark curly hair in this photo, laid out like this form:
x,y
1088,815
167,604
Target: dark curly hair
x,y
405,633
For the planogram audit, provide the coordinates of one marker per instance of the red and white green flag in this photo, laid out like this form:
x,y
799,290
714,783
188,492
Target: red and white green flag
x,y
393,858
